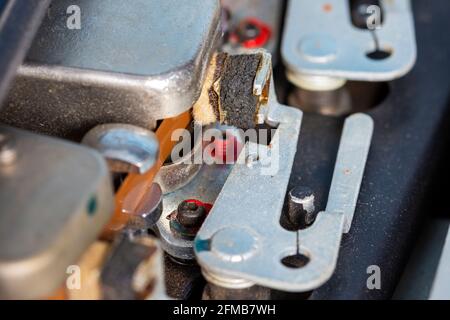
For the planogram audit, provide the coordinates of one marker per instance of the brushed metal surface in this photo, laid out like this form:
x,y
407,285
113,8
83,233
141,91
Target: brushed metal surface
x,y
320,40
131,62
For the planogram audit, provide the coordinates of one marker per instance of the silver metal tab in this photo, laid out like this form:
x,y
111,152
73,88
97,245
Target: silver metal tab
x,y
242,237
350,165
127,148
320,40
237,239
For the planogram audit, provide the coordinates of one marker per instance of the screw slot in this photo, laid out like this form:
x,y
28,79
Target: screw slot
x,y
192,206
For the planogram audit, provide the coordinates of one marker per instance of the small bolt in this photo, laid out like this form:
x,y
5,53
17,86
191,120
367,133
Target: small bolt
x,y
190,214
301,210
186,221
248,31
8,152
251,33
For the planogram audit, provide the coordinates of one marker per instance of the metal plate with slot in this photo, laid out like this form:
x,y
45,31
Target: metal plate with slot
x,y
242,237
237,238
320,40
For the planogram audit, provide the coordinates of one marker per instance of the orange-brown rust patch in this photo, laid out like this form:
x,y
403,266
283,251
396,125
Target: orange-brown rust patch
x,y
327,7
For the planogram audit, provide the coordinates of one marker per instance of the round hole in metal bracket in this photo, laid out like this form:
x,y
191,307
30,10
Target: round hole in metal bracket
x,y
379,54
296,261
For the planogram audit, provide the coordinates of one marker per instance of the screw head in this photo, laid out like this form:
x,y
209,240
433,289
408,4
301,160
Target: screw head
x,y
248,31
234,244
318,48
190,214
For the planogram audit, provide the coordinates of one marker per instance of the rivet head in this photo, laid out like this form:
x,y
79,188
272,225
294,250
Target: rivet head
x,y
318,48
234,244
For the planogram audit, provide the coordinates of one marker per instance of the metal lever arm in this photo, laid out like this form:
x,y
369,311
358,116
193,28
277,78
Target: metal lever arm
x,y
242,238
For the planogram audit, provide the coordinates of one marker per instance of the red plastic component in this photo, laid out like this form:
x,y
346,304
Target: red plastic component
x,y
223,147
265,33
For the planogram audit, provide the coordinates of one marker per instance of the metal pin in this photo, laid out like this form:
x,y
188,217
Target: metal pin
x,y
301,209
